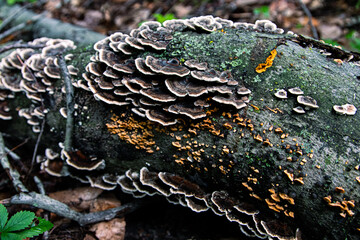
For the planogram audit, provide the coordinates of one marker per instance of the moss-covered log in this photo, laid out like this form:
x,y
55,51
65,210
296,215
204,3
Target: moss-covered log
x,y
289,170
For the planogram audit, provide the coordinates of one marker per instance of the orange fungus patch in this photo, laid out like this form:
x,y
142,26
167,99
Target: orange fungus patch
x,y
134,132
268,63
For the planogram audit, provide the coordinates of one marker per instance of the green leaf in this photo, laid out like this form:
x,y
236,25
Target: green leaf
x,y
262,11
11,2
10,236
162,18
43,226
19,221
3,216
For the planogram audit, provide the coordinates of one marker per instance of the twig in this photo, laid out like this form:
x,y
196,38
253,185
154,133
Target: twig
x,y
308,14
19,45
15,157
40,185
41,188
11,17
12,30
36,146
12,154
18,27
12,173
69,104
61,209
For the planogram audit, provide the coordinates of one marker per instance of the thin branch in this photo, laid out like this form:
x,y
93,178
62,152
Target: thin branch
x,y
19,45
11,151
12,30
12,17
40,185
69,104
36,146
12,154
61,209
18,27
41,188
12,173
308,14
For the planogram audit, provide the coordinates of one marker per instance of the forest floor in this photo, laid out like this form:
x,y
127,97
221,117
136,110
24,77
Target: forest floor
x,y
336,22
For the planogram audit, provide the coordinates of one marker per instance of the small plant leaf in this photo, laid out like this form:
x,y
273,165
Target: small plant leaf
x,y
43,226
10,236
3,216
19,221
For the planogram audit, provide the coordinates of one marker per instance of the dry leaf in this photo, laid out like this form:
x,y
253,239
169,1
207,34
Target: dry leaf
x,y
78,198
113,229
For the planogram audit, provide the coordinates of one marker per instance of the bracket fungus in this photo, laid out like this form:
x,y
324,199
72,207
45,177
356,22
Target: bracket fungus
x,y
307,101
282,94
171,85
295,91
299,110
346,109
33,72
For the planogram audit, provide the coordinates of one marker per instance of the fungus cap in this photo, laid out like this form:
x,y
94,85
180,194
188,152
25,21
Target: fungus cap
x,y
243,91
193,63
171,67
339,109
295,91
81,162
299,110
350,109
307,101
282,94
190,111
153,180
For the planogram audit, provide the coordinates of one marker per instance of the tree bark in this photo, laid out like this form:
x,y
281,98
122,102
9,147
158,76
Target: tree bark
x,y
256,153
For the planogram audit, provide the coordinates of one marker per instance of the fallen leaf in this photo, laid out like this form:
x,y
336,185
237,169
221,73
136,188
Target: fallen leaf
x,y
78,198
113,229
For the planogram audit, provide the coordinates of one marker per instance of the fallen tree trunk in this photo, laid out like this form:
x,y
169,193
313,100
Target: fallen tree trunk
x,y
213,133
46,27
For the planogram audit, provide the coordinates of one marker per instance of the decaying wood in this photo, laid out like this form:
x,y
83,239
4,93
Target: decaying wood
x,y
300,171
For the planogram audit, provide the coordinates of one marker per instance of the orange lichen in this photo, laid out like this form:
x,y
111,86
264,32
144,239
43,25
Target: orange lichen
x,y
247,186
134,132
358,179
255,196
227,126
289,214
258,138
327,199
299,180
176,144
339,189
268,62
275,197
271,190
343,205
289,175
287,198
278,130
255,107
274,208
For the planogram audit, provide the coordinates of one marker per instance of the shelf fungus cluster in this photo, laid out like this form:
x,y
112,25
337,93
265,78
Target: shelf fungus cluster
x,y
346,109
305,102
177,190
34,72
125,72
181,191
